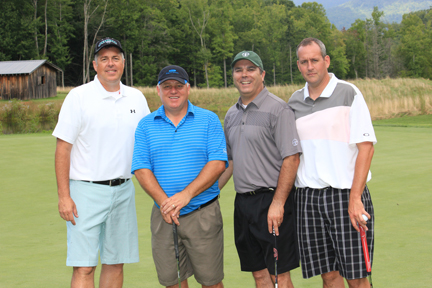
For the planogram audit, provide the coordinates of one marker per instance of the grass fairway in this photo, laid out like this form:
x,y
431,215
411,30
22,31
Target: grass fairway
x,y
33,236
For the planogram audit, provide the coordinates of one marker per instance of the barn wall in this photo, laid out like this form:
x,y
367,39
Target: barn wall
x,y
33,86
13,86
42,89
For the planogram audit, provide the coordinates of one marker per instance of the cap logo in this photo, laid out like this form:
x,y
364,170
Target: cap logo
x,y
172,71
245,54
107,41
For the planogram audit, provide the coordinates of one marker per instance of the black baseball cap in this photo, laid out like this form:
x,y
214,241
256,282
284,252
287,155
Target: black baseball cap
x,y
106,42
173,72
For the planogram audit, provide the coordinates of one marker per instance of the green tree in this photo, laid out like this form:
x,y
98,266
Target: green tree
x,y
247,24
354,39
336,49
308,20
60,31
415,46
378,46
222,35
199,17
17,30
274,27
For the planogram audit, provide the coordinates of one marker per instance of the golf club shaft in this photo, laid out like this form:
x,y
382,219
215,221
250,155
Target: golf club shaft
x,y
176,249
275,254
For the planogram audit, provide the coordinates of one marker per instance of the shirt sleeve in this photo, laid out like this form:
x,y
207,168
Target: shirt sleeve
x,y
69,122
285,133
361,128
141,152
216,146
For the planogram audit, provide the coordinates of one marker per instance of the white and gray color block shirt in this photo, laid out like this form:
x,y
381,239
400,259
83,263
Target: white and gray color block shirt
x,y
329,129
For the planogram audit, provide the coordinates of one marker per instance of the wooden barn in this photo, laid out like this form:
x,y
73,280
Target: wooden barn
x,y
28,79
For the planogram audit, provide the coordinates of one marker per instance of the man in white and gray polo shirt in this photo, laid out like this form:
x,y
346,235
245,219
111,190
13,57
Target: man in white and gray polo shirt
x,y
337,138
263,153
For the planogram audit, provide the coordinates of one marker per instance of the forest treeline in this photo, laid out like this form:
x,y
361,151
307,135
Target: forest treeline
x,y
203,36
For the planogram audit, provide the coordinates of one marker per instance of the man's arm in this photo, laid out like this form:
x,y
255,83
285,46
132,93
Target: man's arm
x,y
226,175
151,186
205,179
362,166
286,180
66,205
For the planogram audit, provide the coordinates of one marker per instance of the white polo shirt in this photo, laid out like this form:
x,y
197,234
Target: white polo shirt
x,y
101,129
329,129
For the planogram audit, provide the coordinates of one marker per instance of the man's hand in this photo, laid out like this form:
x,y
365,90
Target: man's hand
x,y
355,211
67,209
362,166
66,205
168,218
275,216
286,179
171,206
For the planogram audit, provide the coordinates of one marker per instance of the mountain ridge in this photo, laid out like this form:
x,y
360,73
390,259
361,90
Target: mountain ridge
x,y
342,13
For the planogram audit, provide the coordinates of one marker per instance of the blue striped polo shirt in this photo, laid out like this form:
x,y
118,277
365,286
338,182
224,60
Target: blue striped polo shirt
x,y
176,155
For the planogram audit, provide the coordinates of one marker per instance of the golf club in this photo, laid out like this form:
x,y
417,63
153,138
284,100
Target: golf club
x,y
275,255
366,250
176,252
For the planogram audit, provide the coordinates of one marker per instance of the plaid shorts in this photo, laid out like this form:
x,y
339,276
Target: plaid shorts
x,y
327,240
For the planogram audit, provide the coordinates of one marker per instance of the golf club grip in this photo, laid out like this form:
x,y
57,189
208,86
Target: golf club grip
x,y
175,240
365,249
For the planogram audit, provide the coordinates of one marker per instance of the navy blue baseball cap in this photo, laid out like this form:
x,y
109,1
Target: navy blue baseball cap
x,y
173,72
106,42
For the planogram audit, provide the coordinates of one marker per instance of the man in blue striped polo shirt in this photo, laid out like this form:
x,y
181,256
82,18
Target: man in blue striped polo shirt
x,y
179,154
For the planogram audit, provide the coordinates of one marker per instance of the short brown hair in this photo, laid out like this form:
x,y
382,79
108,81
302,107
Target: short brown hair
x,y
309,41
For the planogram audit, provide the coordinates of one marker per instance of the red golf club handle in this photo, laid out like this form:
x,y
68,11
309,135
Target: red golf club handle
x,y
365,249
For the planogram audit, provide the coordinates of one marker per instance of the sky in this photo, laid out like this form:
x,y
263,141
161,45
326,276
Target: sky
x,y
325,3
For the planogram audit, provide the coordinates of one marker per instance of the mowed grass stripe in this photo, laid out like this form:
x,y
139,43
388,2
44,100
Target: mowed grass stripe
x,y
33,236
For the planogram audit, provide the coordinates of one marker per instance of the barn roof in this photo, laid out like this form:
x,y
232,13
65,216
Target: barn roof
x,y
23,66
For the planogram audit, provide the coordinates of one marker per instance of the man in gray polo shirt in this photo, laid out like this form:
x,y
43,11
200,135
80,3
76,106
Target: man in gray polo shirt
x,y
263,153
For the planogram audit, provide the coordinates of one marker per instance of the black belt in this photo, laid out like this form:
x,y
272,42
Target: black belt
x,y
113,182
208,203
259,191
203,205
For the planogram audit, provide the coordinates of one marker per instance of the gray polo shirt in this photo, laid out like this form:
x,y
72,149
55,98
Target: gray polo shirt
x,y
258,139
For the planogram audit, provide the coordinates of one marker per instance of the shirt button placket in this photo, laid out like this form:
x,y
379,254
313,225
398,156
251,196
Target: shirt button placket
x,y
243,121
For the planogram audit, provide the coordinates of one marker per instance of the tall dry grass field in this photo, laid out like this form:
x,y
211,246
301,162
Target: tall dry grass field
x,y
386,98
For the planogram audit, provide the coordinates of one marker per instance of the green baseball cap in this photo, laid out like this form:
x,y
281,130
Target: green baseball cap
x,y
248,55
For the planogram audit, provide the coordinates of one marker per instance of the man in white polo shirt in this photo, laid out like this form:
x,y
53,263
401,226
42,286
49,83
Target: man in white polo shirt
x,y
337,139
95,138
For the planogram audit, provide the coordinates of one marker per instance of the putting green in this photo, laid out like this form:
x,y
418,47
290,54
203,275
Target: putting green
x,y
33,236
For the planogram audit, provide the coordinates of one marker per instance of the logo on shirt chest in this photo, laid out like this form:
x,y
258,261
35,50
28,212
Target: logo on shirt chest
x,y
132,110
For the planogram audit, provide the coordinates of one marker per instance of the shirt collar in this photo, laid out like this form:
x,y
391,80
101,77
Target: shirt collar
x,y
328,90
160,112
257,101
104,92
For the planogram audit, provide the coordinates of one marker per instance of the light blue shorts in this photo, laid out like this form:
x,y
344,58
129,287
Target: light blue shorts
x,y
106,222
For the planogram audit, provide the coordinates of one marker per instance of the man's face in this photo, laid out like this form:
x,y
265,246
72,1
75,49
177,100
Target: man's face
x,y
109,66
248,80
174,95
312,65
